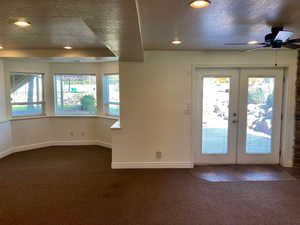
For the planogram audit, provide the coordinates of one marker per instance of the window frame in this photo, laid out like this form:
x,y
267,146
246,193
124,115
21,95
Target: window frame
x,y
42,103
55,94
105,94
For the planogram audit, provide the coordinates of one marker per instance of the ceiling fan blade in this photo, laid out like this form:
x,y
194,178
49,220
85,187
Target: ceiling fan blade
x,y
236,43
283,36
294,40
244,43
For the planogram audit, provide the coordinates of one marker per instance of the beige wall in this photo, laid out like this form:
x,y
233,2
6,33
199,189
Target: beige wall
x,y
33,133
5,128
5,138
30,132
3,113
154,96
156,92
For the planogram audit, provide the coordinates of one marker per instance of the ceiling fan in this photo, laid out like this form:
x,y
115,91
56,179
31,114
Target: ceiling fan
x,y
278,38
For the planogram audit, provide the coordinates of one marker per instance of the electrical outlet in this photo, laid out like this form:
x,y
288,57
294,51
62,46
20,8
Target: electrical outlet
x,y
188,109
158,155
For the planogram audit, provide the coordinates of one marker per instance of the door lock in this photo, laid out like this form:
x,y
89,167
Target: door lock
x,y
235,121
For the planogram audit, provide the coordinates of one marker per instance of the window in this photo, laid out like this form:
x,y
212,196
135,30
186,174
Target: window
x,y
111,95
75,94
26,94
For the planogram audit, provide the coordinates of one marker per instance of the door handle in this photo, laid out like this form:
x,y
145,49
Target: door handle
x,y
235,121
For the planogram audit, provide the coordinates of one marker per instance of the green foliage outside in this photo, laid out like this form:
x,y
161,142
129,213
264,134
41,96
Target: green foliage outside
x,y
270,101
87,102
77,82
256,96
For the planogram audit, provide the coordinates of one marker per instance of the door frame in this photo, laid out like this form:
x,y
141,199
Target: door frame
x,y
230,156
284,112
243,158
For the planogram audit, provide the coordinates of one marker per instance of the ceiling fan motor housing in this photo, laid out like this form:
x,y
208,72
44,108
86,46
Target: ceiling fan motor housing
x,y
270,38
277,44
278,38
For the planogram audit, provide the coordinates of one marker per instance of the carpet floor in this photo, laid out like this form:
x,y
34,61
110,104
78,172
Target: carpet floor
x,y
75,186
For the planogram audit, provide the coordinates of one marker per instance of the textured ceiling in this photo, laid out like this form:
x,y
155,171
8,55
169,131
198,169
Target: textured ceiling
x,y
125,27
51,33
63,59
57,53
112,24
211,27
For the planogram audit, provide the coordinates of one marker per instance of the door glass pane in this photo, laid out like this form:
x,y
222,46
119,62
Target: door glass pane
x,y
260,115
215,115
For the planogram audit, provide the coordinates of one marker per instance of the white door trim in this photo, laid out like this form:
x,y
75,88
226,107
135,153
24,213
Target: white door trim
x,y
195,145
272,158
228,158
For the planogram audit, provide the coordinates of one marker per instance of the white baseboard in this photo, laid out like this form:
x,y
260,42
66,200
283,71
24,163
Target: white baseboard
x,y
81,142
23,148
287,164
104,144
6,153
54,143
151,165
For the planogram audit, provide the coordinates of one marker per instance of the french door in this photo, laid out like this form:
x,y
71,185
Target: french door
x,y
237,116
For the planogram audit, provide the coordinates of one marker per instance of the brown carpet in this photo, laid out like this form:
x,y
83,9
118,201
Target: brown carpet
x,y
75,186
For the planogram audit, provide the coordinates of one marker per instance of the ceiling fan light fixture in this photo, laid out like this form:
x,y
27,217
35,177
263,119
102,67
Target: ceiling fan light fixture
x,y
68,47
22,23
198,4
252,42
176,42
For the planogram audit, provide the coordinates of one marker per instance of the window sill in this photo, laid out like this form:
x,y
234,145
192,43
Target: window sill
x,y
108,117
86,116
4,121
116,125
28,117
74,116
63,116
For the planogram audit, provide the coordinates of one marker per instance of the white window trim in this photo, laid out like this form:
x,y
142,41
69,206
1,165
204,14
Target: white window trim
x,y
42,103
105,102
50,100
55,95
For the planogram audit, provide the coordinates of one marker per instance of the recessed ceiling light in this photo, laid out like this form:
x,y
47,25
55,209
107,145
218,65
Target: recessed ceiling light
x,y
252,42
200,4
68,47
176,42
1,47
22,23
